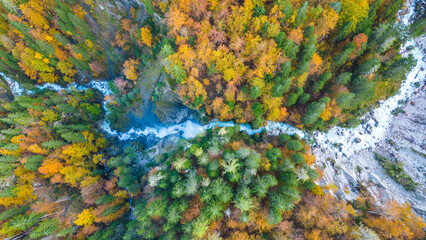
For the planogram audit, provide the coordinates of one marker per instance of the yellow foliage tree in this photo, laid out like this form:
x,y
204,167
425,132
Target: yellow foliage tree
x,y
21,194
131,69
146,36
85,218
353,10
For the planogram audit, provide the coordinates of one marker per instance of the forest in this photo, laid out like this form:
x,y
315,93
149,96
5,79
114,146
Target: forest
x,y
311,64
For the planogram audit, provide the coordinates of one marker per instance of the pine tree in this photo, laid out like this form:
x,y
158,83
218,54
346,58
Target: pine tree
x,y
319,84
366,24
274,216
279,203
343,56
173,215
243,200
24,222
367,67
294,145
273,155
417,28
8,159
191,183
314,110
345,99
45,228
6,170
304,98
364,91
34,162
343,31
397,70
301,14
343,78
214,210
179,73
53,144
292,99
297,158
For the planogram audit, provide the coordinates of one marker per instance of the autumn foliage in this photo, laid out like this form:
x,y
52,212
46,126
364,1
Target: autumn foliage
x,y
252,61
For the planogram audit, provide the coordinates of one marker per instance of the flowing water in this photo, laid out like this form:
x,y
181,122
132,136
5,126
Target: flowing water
x,y
370,132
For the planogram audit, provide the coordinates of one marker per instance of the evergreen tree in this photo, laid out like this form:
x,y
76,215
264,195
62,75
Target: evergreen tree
x,y
53,144
343,78
397,70
304,98
301,14
367,67
12,212
319,84
292,99
314,110
343,56
294,145
73,137
345,99
45,228
179,73
34,162
24,222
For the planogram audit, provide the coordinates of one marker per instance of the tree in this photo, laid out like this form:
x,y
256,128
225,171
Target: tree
x,y
342,57
319,84
292,99
45,228
326,22
360,42
353,11
314,110
53,144
178,73
397,70
214,210
34,162
243,199
130,69
301,14
146,36
345,99
294,145
85,218
73,137
12,212
17,195
343,78
368,67
24,222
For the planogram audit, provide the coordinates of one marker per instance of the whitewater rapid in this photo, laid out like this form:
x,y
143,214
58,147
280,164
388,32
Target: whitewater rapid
x,y
377,121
